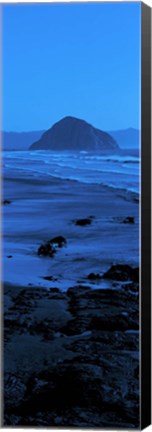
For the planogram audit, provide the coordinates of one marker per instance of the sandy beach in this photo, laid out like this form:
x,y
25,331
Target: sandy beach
x,y
71,329
43,207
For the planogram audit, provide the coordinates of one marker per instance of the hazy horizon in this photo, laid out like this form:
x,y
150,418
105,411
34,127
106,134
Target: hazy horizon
x,y
45,129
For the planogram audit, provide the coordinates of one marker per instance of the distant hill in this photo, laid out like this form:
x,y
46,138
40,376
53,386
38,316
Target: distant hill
x,y
71,133
19,140
127,138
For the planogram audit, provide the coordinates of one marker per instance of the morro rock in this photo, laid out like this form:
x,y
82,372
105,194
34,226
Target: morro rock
x,y
74,134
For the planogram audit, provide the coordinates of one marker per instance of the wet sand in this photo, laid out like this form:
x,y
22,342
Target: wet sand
x,y
42,208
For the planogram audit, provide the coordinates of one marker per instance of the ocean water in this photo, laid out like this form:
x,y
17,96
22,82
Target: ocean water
x,y
120,171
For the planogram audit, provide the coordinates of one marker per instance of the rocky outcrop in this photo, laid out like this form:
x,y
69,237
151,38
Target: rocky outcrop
x,y
85,372
71,133
122,272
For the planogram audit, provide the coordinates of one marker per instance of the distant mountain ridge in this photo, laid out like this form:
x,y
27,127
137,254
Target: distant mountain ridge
x,y
19,140
127,138
71,133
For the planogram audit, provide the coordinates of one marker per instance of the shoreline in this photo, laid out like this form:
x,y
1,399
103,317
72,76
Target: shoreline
x,y
41,209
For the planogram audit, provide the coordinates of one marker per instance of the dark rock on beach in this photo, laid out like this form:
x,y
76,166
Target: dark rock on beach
x,y
83,222
6,201
58,241
121,272
94,276
129,220
50,278
46,250
50,248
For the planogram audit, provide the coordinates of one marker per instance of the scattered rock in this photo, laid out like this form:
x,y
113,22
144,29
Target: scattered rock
x,y
129,220
135,274
27,298
78,291
56,294
110,323
75,326
83,222
6,202
133,287
46,250
14,389
55,290
49,278
58,241
135,199
122,272
50,248
43,328
94,276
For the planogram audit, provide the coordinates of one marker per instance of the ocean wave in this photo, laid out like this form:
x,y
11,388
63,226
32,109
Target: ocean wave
x,y
114,170
118,159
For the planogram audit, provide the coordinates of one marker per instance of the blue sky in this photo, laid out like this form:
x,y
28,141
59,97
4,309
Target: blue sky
x,y
81,60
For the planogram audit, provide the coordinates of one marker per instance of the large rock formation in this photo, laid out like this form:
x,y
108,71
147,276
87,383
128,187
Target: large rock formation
x,y
74,134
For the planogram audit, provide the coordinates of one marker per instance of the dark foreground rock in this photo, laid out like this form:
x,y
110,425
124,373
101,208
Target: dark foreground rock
x,y
94,276
77,394
122,272
77,358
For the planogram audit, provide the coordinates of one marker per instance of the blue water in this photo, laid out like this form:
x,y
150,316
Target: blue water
x,y
120,171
